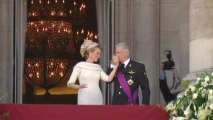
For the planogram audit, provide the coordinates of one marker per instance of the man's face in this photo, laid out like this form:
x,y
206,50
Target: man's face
x,y
122,54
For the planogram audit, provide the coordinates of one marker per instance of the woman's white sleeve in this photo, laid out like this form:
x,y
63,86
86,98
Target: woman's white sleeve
x,y
75,74
104,76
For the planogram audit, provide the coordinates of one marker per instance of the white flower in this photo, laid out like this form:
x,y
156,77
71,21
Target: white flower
x,y
203,113
210,92
203,90
204,84
170,106
180,95
174,112
195,95
203,95
198,78
192,88
211,106
207,78
178,118
187,111
210,97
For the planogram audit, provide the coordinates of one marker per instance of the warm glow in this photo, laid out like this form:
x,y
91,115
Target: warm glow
x,y
61,74
37,74
62,65
50,39
30,75
36,64
96,37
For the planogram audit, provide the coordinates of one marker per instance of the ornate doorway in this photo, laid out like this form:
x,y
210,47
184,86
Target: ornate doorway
x,y
55,30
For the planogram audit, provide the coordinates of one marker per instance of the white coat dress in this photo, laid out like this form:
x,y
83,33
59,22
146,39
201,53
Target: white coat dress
x,y
90,74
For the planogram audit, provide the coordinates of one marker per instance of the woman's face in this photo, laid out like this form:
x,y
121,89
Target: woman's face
x,y
95,55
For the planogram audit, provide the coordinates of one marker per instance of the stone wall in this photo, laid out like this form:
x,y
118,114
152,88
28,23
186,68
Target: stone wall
x,y
150,27
6,51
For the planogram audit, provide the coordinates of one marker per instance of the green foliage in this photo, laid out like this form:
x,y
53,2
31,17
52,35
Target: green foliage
x,y
196,103
185,83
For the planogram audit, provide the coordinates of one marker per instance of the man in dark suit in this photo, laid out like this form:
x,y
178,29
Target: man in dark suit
x,y
130,76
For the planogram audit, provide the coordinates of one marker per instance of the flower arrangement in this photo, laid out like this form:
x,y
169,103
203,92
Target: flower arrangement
x,y
196,102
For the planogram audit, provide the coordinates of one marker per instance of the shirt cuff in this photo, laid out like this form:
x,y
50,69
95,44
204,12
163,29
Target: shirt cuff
x,y
112,66
162,75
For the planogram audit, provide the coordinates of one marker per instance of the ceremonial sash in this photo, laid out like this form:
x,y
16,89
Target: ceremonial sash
x,y
125,86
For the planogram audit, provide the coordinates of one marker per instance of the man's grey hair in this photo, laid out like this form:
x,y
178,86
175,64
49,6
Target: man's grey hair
x,y
123,45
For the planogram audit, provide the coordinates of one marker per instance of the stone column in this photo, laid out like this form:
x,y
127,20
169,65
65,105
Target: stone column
x,y
146,41
6,51
201,37
137,23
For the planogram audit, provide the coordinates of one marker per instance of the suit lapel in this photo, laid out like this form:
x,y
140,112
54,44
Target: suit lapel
x,y
129,65
127,69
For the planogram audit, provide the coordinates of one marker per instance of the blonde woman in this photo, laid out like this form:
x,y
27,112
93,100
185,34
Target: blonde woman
x,y
89,73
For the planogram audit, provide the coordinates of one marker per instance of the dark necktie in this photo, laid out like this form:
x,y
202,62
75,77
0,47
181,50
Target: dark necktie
x,y
122,67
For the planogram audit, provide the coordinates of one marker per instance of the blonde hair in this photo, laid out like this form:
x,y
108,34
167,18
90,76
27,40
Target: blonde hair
x,y
92,49
88,46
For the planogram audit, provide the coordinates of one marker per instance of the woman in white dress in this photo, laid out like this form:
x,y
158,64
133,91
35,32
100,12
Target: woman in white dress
x,y
89,74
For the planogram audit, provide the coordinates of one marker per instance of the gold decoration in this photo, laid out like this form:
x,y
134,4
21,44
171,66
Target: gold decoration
x,y
130,82
131,72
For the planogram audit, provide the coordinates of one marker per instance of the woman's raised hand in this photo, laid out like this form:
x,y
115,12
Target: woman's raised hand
x,y
115,60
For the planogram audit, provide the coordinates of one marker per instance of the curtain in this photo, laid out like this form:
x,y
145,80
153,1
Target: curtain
x,y
20,21
105,13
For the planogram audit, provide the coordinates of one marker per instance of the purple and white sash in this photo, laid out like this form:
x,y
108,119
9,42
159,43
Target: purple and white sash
x,y
132,100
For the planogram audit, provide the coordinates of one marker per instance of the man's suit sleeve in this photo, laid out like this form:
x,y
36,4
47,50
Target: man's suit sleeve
x,y
109,70
144,83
